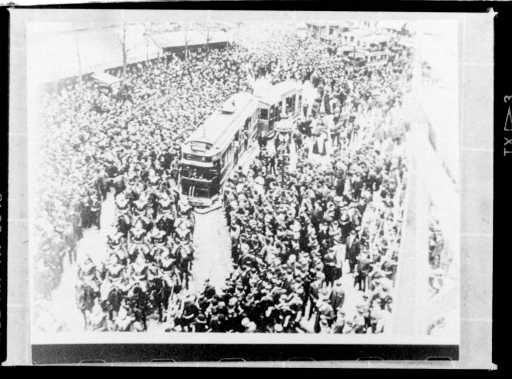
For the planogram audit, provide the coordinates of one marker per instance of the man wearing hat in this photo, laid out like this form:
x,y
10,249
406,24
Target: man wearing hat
x,y
189,312
200,325
331,267
363,269
345,225
353,248
325,313
95,210
314,293
359,322
98,317
88,273
337,296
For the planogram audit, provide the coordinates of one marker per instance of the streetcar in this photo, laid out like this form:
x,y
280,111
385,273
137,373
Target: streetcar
x,y
215,148
282,100
209,155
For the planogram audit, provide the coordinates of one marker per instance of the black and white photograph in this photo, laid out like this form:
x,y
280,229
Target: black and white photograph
x,y
244,176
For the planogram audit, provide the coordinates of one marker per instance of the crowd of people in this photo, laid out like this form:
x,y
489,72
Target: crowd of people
x,y
293,229
94,141
296,224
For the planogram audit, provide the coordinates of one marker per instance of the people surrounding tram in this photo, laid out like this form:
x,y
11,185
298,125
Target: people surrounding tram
x,y
299,227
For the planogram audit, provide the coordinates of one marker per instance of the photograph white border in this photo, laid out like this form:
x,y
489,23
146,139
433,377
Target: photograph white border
x,y
480,56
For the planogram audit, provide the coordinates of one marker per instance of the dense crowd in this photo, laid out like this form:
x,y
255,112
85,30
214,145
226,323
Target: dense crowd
x,y
95,141
291,236
293,224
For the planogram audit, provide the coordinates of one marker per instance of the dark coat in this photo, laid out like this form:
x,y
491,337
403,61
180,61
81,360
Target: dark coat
x,y
353,249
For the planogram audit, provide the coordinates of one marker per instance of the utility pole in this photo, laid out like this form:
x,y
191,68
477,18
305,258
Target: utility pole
x,y
186,41
79,63
208,31
123,45
146,38
124,49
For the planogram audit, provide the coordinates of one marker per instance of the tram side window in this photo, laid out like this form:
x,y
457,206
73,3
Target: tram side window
x,y
185,171
190,172
278,110
227,156
290,103
214,174
194,172
185,188
274,112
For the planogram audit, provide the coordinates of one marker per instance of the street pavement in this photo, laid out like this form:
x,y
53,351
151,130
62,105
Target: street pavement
x,y
212,256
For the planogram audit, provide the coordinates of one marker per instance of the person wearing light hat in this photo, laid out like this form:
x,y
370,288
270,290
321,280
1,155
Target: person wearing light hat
x,y
246,323
137,232
98,317
337,296
251,327
358,322
87,272
114,269
200,324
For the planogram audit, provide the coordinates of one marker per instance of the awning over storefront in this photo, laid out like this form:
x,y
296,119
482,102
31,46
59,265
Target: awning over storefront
x,y
106,79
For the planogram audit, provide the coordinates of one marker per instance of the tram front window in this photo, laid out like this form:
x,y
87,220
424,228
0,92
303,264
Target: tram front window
x,y
195,172
201,192
198,189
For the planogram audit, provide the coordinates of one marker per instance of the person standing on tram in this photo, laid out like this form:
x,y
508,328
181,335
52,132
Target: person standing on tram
x,y
271,168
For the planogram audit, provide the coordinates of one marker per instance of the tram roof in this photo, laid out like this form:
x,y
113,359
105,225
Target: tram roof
x,y
220,126
272,94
